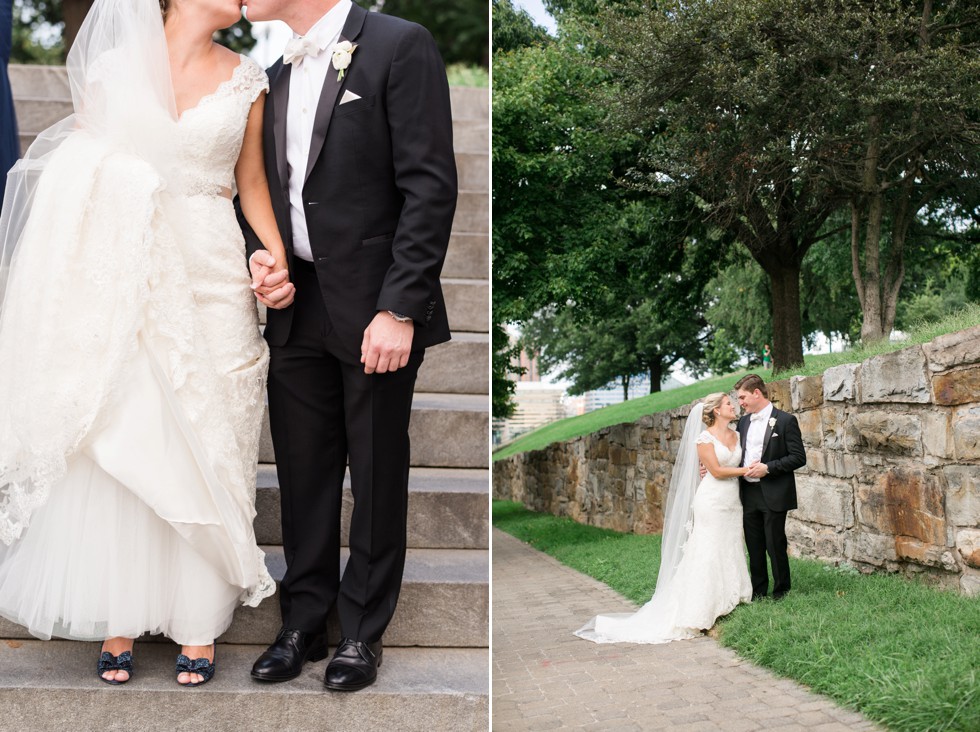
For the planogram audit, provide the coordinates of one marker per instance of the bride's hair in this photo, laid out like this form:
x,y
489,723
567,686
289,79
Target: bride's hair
x,y
711,403
164,8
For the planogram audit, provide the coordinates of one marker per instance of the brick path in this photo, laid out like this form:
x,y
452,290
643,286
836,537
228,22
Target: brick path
x,y
545,678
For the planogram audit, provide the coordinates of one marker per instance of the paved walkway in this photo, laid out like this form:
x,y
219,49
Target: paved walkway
x,y
545,678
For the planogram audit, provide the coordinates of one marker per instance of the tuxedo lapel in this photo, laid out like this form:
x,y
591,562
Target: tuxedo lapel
x,y
280,98
743,433
331,89
769,430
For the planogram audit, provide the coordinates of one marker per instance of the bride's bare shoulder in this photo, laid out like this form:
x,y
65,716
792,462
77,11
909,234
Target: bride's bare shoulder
x,y
225,58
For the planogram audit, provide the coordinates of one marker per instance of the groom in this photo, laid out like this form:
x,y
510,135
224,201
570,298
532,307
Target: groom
x,y
772,439
359,157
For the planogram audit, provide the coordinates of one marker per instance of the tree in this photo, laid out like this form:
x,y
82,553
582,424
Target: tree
x,y
722,89
513,28
647,317
901,116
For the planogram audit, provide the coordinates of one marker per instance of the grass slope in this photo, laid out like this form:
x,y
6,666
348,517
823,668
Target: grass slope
x,y
904,654
567,429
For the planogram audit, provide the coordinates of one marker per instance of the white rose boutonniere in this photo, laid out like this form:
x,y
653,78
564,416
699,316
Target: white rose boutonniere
x,y
342,53
772,422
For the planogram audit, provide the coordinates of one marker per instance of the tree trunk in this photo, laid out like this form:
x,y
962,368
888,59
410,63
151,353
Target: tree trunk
x,y
787,327
625,380
656,375
74,12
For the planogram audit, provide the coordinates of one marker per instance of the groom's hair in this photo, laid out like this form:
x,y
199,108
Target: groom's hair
x,y
752,382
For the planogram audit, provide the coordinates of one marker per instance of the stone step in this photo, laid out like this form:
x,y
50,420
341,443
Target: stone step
x,y
447,431
447,508
472,213
468,304
461,366
470,102
39,81
472,135
468,256
444,602
52,686
473,171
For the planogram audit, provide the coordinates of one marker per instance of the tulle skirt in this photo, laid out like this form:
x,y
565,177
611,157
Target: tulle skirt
x,y
97,562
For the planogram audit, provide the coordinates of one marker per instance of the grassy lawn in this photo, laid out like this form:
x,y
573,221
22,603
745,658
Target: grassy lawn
x,y
904,654
466,75
633,409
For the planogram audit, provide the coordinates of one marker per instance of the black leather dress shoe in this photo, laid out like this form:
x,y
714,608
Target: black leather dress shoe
x,y
284,659
353,666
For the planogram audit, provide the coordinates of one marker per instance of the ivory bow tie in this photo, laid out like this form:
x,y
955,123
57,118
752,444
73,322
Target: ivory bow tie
x,y
299,48
756,417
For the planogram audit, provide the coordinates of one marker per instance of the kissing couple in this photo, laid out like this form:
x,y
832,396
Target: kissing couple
x,y
132,367
728,490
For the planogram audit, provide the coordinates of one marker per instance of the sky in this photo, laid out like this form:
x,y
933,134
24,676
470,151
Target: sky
x,y
535,9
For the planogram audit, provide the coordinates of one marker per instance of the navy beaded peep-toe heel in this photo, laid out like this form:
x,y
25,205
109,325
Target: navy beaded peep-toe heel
x,y
122,662
201,666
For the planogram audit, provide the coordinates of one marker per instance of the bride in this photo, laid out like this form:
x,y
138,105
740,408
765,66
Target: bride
x,y
132,370
703,574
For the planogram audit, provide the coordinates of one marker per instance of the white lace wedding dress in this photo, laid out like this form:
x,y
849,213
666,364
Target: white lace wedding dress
x,y
134,373
711,579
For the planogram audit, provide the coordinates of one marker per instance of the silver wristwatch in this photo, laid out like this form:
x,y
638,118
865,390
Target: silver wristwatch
x,y
399,317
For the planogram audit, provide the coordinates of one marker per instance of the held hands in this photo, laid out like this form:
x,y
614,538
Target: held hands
x,y
756,470
387,344
270,281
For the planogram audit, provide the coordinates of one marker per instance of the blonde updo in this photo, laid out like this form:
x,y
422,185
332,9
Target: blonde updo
x,y
711,403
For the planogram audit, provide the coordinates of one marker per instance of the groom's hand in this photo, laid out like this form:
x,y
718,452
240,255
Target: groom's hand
x,y
387,344
271,285
757,470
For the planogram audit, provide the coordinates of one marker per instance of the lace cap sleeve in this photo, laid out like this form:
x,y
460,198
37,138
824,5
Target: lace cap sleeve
x,y
252,80
705,438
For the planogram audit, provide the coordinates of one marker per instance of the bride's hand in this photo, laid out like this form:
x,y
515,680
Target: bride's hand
x,y
270,280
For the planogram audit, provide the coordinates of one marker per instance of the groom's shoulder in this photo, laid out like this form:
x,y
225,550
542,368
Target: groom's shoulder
x,y
392,26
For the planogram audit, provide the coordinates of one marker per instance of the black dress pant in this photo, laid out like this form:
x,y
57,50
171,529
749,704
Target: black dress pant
x,y
327,413
765,533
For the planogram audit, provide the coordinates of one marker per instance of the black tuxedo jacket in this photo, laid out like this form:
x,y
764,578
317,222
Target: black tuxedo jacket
x,y
782,452
380,189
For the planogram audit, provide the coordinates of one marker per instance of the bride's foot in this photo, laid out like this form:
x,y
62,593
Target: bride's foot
x,y
116,647
198,672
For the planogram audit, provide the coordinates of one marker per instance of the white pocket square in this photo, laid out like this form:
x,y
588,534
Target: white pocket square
x,y
349,96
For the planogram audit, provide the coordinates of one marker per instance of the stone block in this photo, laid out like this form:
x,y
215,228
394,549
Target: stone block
x,y
811,427
814,540
937,436
953,349
884,432
467,304
930,555
968,544
970,583
840,383
966,433
780,394
959,386
904,501
826,501
868,548
896,377
833,419
461,366
806,392
963,495
468,256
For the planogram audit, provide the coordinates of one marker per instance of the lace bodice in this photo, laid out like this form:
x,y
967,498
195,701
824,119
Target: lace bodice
x,y
209,135
729,458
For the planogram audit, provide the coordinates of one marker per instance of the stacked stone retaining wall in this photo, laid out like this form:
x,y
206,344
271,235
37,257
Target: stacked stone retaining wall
x,y
893,465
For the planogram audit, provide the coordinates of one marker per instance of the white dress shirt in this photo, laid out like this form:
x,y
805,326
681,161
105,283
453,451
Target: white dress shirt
x,y
305,84
755,437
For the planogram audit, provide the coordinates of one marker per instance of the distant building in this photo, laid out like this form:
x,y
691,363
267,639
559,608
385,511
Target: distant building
x,y
537,404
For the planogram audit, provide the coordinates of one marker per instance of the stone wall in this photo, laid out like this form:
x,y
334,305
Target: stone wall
x,y
893,465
